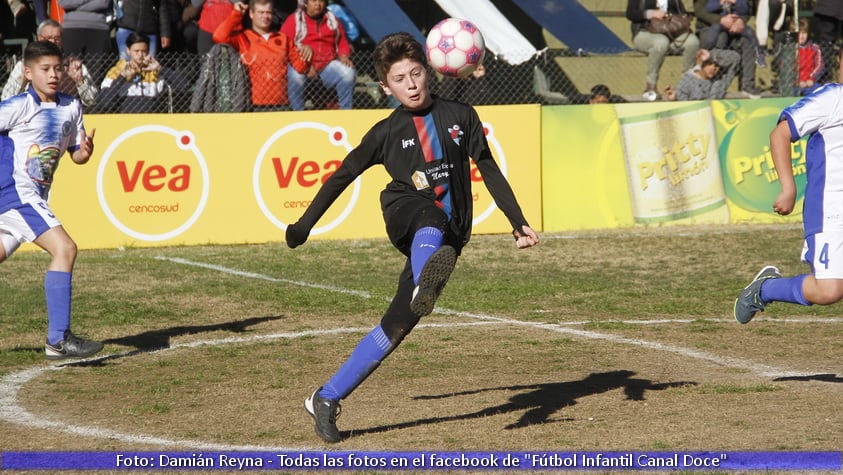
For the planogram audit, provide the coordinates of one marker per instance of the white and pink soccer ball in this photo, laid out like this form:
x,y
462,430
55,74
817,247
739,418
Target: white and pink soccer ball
x,y
455,47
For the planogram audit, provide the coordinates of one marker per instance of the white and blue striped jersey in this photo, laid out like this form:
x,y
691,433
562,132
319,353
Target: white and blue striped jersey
x,y
820,114
42,132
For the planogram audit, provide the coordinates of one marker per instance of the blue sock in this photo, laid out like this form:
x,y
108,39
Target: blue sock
x,y
57,287
787,289
368,354
425,242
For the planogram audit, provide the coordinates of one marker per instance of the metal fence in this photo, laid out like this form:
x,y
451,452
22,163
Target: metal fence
x,y
554,76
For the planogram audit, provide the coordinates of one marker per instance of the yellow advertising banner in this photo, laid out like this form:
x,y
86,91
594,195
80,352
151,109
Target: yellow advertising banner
x,y
607,166
241,178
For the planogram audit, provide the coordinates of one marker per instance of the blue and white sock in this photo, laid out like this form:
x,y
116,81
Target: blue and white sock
x,y
368,354
425,242
786,289
57,288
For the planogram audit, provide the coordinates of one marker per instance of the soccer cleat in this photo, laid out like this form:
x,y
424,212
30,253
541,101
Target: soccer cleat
x,y
72,347
435,274
749,301
325,413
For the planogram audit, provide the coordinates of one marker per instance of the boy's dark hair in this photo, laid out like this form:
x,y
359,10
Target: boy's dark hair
x,y
600,90
38,49
136,37
393,48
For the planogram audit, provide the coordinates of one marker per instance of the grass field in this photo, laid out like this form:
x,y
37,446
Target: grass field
x,y
612,340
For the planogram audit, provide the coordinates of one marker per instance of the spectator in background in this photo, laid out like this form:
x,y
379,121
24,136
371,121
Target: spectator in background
x,y
146,17
266,54
600,94
212,14
133,85
86,30
709,27
810,60
183,28
76,80
472,89
828,23
656,45
734,15
708,79
7,21
23,19
323,45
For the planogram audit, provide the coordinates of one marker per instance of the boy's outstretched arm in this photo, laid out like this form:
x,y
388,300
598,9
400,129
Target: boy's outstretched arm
x,y
526,237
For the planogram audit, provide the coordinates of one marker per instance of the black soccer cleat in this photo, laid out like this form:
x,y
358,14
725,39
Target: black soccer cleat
x,y
435,274
325,413
72,347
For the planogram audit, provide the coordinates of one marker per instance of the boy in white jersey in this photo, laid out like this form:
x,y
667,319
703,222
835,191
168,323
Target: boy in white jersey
x,y
820,115
36,129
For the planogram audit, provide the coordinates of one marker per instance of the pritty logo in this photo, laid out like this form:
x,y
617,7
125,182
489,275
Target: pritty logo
x,y
285,179
153,197
684,159
750,178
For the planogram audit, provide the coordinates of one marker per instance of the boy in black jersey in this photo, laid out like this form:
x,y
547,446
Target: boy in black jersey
x,y
425,145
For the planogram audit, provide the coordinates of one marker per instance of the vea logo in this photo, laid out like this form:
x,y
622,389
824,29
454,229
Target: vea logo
x,y
153,197
293,164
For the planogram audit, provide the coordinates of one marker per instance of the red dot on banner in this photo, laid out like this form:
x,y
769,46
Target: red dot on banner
x,y
337,135
185,139
485,131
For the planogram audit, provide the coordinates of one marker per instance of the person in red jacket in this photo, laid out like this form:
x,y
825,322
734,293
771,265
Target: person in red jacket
x,y
810,58
265,53
323,44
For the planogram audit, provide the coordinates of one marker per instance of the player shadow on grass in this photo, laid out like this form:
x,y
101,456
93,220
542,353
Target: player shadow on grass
x,y
824,377
541,401
154,340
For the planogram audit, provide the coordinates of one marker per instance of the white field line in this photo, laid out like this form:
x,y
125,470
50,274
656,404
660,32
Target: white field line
x,y
252,275
11,384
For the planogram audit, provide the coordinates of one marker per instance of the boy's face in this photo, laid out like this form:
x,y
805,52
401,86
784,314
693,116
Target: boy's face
x,y
406,81
44,74
138,52
803,37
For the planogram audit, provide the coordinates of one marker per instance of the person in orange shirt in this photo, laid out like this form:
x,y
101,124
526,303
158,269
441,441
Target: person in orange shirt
x,y
265,53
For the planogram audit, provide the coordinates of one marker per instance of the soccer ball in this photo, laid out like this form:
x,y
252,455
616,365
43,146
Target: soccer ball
x,y
455,47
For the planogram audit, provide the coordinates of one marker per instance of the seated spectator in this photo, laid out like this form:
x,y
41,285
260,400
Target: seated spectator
x,y
810,59
733,21
266,54
709,29
133,85
76,81
709,79
657,45
323,45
